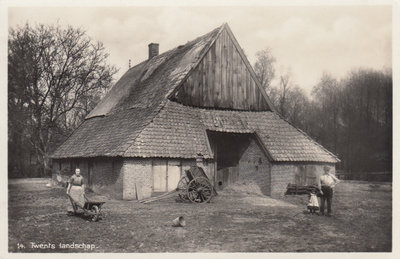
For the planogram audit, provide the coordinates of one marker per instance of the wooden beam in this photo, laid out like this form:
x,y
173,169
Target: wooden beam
x,y
224,90
217,84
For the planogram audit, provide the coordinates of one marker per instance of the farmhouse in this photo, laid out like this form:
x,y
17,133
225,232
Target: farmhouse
x,y
198,104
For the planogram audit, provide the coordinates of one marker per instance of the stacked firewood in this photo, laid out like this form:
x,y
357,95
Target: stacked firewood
x,y
300,189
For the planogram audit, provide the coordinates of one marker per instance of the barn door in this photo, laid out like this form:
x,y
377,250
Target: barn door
x,y
173,174
159,176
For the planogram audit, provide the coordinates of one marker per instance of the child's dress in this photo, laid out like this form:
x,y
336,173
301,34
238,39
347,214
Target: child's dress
x,y
313,203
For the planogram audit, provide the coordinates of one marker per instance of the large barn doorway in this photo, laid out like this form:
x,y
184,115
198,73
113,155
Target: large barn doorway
x,y
228,149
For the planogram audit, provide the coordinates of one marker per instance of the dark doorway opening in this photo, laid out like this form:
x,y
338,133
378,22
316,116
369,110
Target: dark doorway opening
x,y
228,149
90,173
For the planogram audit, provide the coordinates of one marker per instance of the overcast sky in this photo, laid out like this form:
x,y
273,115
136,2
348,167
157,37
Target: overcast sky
x,y
307,39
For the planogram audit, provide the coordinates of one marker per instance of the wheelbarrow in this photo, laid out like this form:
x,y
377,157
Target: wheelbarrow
x,y
90,208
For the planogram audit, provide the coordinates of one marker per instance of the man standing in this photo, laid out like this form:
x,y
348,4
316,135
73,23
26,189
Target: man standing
x,y
326,183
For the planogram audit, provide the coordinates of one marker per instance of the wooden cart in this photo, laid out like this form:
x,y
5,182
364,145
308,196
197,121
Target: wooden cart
x,y
194,186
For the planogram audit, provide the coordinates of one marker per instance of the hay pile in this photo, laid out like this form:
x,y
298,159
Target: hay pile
x,y
243,187
252,194
266,201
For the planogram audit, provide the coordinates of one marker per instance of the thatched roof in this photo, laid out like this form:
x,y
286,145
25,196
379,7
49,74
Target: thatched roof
x,y
136,118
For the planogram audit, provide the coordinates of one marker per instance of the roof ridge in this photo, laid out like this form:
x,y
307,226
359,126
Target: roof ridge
x,y
159,55
210,32
179,46
307,136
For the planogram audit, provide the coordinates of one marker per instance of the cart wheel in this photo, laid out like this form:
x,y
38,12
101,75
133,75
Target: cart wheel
x,y
199,190
182,188
95,210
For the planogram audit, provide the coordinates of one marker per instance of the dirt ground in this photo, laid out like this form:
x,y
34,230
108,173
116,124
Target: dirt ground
x,y
233,222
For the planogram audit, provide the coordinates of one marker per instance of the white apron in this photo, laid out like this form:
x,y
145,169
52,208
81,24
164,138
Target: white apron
x,y
77,194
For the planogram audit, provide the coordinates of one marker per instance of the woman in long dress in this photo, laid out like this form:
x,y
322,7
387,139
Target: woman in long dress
x,y
76,189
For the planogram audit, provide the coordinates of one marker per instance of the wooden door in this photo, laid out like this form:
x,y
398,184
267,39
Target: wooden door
x,y
173,174
159,176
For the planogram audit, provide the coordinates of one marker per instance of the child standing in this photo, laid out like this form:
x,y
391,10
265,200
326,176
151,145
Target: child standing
x,y
313,205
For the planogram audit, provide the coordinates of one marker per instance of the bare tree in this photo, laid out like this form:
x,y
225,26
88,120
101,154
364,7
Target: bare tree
x,y
297,107
327,98
284,88
352,118
54,73
367,113
265,68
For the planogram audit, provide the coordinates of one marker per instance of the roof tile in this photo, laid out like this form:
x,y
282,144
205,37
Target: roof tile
x,y
166,136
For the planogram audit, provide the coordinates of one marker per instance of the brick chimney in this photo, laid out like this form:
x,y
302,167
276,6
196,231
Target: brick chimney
x,y
153,50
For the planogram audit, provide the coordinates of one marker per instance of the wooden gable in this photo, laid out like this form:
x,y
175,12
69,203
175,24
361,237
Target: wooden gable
x,y
223,79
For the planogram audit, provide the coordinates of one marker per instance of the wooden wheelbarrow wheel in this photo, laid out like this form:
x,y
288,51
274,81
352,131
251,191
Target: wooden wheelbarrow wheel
x,y
199,190
95,211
